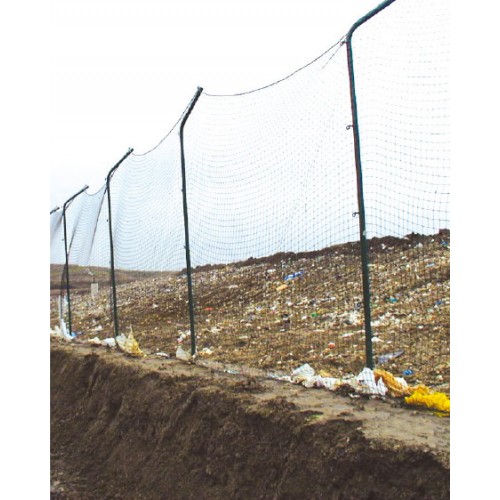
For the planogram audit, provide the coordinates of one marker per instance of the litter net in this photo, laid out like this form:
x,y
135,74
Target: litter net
x,y
271,193
273,216
402,87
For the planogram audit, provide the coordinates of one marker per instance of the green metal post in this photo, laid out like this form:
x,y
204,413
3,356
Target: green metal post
x,y
186,224
359,178
111,249
66,253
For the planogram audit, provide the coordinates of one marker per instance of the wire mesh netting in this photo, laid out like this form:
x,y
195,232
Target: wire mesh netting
x,y
270,180
402,87
273,217
148,237
87,274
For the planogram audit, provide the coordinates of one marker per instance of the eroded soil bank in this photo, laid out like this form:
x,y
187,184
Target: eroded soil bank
x,y
153,428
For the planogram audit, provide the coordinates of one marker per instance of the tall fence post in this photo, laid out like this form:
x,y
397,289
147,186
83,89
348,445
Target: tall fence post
x,y
66,253
359,178
111,247
186,224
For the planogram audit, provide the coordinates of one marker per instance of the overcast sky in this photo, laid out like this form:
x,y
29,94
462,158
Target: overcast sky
x,y
124,70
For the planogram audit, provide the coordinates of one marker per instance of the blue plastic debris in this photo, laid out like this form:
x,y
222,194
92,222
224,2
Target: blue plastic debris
x,y
293,275
408,372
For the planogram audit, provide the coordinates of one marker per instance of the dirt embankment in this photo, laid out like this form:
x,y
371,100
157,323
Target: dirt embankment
x,y
158,428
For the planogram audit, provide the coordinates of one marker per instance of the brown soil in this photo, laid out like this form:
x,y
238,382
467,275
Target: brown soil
x,y
147,428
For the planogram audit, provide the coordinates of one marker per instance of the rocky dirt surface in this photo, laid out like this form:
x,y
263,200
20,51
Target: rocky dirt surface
x,y
279,312
150,427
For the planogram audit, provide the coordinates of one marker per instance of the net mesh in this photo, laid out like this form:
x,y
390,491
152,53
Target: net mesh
x,y
148,238
270,179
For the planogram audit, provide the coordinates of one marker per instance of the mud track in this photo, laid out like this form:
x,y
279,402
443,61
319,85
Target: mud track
x,y
154,428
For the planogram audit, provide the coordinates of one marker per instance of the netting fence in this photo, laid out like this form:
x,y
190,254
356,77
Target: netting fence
x,y
303,222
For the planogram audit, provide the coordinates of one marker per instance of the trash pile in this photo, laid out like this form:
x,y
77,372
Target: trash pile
x,y
127,344
376,383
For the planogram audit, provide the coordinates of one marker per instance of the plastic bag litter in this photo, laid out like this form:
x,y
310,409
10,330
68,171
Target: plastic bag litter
x,y
111,342
330,383
365,383
293,275
64,329
396,386
64,332
69,337
182,354
302,374
423,396
383,358
95,341
129,345
162,354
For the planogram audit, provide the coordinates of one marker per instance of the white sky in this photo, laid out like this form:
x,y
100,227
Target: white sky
x,y
124,70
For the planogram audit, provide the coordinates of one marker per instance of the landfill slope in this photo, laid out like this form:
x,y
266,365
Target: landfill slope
x,y
147,428
278,312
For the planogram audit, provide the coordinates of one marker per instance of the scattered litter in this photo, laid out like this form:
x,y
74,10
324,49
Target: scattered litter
x,y
366,383
110,342
422,396
396,386
129,345
182,354
408,373
162,354
302,373
352,318
383,358
348,334
373,383
68,336
293,275
95,341
183,336
281,287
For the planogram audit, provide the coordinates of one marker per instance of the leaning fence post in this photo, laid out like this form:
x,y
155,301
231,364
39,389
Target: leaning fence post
x,y
186,225
359,178
111,249
66,253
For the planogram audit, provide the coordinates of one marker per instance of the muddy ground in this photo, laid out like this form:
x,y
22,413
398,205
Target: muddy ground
x,y
147,428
